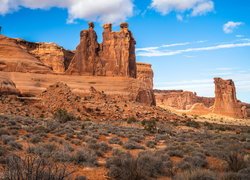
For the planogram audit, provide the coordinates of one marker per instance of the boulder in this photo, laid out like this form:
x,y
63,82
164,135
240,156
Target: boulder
x,y
8,87
146,97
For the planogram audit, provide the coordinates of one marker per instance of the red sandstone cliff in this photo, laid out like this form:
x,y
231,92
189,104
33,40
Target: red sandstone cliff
x,y
50,54
226,102
179,99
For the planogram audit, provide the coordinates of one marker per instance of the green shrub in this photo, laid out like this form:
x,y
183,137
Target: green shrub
x,y
150,125
63,116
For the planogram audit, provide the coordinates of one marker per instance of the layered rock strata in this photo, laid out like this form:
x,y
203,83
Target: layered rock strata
x,y
179,99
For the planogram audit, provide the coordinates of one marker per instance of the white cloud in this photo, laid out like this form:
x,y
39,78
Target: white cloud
x,y
94,10
192,7
166,52
230,26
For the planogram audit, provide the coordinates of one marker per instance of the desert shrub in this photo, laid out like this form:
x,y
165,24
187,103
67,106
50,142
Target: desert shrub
x,y
196,161
80,178
15,145
131,120
122,167
153,164
85,157
184,165
6,138
35,139
150,125
115,140
33,168
99,148
44,150
4,131
178,153
193,124
151,144
160,137
197,174
235,162
63,116
132,145
234,176
147,165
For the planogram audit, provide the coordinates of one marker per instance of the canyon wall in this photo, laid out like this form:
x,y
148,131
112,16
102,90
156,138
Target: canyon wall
x,y
179,99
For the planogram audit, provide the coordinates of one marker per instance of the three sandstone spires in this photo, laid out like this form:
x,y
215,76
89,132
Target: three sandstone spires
x,y
115,56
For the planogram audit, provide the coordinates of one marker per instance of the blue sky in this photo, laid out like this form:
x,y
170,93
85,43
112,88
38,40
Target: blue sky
x,y
188,42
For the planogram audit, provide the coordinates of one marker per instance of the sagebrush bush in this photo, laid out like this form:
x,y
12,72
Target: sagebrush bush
x,y
34,168
196,174
235,162
63,116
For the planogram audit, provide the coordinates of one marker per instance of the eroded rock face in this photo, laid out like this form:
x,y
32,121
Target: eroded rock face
x,y
146,96
86,59
145,74
50,54
8,87
14,58
118,51
226,102
179,99
114,57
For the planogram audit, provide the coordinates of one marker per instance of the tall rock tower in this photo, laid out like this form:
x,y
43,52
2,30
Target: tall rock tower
x,y
226,102
115,56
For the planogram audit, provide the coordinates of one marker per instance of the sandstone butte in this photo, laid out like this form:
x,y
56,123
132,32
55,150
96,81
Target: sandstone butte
x,y
109,66
29,68
224,103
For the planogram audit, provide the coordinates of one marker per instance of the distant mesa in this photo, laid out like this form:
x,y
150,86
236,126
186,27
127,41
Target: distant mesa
x,y
224,103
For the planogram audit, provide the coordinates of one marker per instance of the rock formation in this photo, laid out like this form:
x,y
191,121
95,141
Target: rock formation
x,y
199,109
50,54
114,57
13,58
146,96
145,74
226,102
179,99
8,87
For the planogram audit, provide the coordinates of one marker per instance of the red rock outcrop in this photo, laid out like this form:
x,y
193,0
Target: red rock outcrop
x,y
8,87
145,74
115,56
50,54
226,102
199,109
13,58
179,99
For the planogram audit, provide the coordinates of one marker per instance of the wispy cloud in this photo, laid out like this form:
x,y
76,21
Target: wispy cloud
x,y
230,26
157,51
